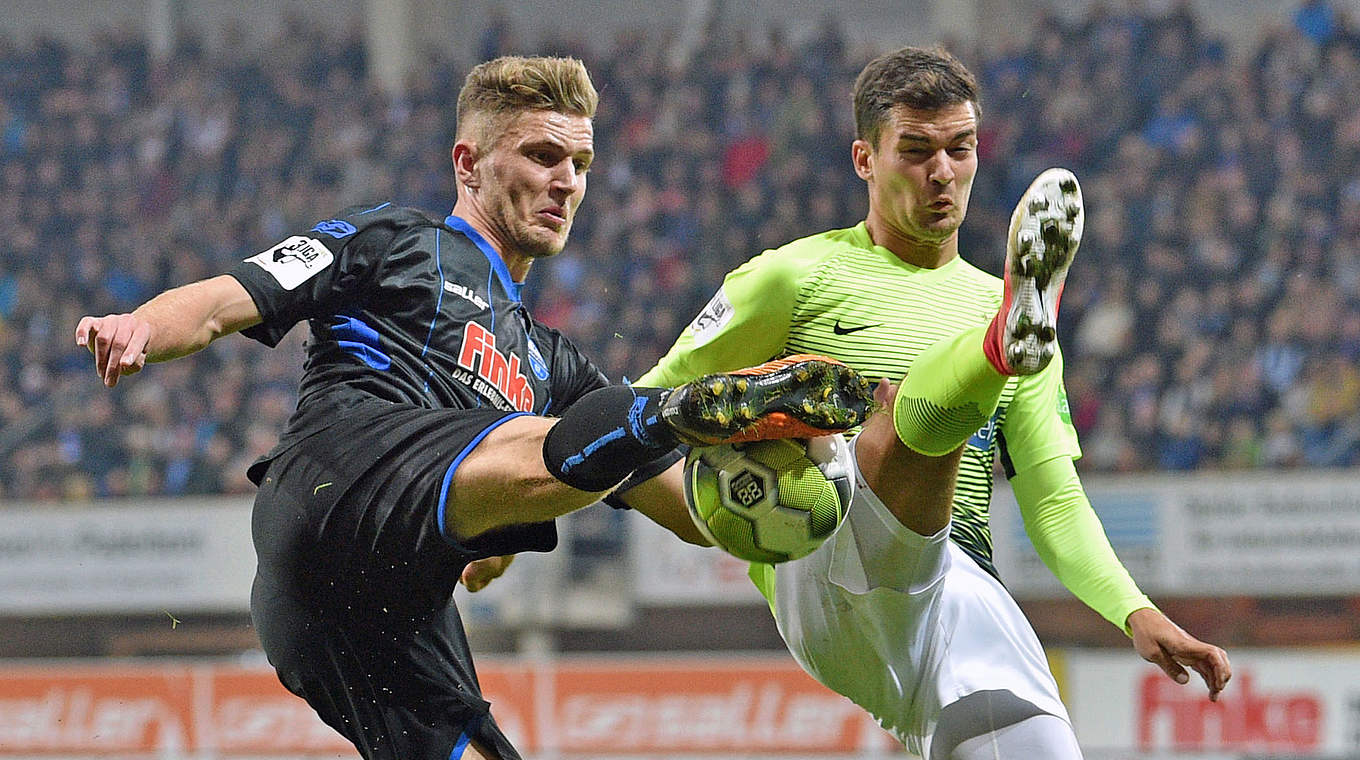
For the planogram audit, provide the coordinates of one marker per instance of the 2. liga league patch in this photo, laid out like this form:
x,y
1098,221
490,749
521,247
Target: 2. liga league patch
x,y
294,261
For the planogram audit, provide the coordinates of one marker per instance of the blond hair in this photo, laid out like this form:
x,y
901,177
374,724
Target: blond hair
x,y
500,88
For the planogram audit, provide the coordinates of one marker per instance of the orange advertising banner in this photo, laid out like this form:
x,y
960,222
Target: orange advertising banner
x,y
94,709
588,707
751,707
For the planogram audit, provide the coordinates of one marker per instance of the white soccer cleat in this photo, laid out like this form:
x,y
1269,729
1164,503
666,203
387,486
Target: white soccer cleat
x,y
1044,234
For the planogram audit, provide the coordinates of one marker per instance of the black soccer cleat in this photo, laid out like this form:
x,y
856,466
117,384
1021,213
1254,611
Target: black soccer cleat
x,y
800,396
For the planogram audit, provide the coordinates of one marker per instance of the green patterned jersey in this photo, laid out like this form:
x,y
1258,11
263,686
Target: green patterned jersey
x,y
838,294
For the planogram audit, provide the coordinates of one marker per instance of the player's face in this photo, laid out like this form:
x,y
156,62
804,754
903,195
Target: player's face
x,y
533,179
920,173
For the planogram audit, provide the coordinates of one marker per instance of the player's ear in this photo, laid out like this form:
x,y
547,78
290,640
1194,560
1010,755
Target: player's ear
x,y
465,163
862,156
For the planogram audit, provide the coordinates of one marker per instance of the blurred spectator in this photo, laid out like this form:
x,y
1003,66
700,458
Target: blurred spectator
x,y
1212,321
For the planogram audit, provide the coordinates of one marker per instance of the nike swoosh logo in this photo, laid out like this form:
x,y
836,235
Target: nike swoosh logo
x,y
847,330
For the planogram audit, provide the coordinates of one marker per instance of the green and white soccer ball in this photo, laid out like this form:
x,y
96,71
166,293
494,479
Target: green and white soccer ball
x,y
769,501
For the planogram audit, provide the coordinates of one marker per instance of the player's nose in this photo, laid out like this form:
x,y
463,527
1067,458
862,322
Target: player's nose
x,y
941,170
565,179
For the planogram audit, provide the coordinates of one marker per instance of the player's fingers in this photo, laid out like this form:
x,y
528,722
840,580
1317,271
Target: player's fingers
x,y
134,356
475,583
884,392
1164,660
101,338
475,576
83,328
1213,666
113,351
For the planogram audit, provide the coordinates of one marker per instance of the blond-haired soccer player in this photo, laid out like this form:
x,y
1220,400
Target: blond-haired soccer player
x,y
425,436
901,609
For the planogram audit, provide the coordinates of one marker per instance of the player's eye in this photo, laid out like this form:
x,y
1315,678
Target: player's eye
x,y
582,165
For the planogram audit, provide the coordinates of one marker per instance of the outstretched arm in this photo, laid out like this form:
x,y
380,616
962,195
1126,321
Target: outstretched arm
x,y
1069,538
175,323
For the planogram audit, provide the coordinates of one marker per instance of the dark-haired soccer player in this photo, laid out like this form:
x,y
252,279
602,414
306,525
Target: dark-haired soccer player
x,y
425,436
901,609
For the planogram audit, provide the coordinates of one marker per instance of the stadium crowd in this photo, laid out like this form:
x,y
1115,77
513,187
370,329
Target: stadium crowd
x,y
1212,320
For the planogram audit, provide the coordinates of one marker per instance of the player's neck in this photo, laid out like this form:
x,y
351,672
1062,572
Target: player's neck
x,y
517,264
926,254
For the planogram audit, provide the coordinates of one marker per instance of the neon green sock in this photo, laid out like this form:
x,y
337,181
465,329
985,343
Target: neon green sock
x,y
950,392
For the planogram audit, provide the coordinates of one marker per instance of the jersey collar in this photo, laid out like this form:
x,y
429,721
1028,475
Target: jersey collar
x,y
860,235
497,263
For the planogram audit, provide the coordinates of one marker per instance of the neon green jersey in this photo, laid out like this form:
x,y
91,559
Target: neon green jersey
x,y
840,295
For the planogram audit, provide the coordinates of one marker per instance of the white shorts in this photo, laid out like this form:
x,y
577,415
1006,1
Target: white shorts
x,y
905,624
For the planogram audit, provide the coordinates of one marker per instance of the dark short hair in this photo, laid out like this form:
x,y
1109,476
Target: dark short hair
x,y
915,77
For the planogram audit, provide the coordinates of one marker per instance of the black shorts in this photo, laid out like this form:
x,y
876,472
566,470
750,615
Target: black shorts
x,y
352,598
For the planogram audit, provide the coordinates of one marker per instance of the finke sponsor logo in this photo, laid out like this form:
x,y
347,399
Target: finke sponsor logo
x,y
500,375
294,261
1244,719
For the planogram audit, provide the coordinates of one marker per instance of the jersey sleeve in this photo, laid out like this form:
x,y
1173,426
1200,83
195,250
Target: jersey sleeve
x,y
1038,425
1039,445
1068,536
316,272
745,323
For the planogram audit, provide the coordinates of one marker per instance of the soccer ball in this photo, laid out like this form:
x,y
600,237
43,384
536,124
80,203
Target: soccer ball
x,y
769,501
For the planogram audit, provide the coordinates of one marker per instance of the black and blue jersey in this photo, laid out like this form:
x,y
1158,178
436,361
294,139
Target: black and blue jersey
x,y
413,311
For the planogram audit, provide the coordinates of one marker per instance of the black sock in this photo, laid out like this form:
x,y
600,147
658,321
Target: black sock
x,y
606,435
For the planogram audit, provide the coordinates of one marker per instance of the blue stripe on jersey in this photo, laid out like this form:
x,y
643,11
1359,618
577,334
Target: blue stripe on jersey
x,y
438,302
357,338
448,474
375,208
498,266
458,748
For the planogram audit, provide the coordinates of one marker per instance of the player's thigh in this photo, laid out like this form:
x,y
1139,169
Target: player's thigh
x,y
502,481
872,549
864,603
992,645
918,490
377,484
997,724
